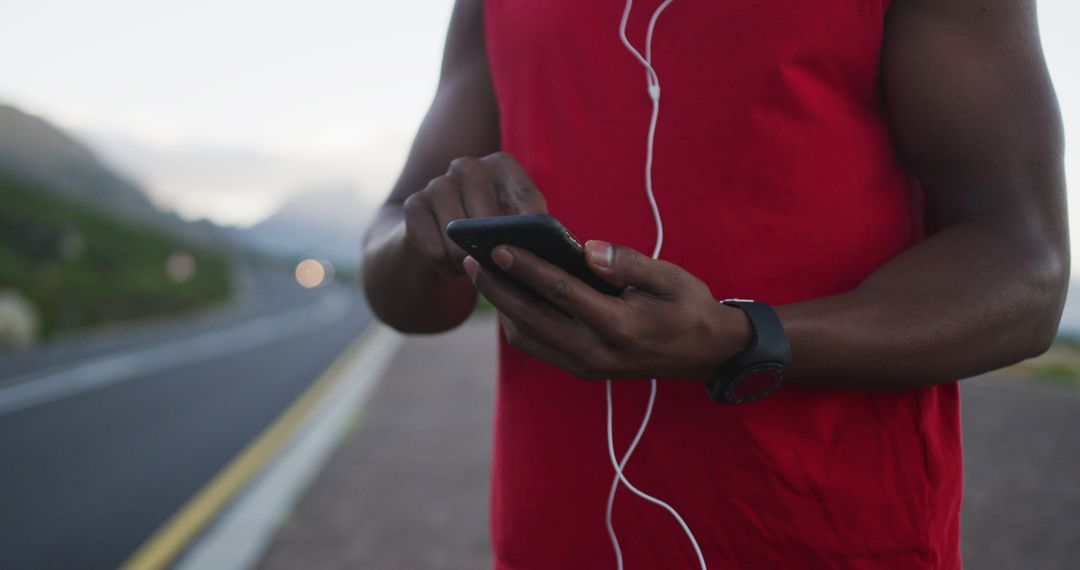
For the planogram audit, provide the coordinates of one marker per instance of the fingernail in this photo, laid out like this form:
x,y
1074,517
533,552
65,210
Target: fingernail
x,y
502,257
600,252
469,265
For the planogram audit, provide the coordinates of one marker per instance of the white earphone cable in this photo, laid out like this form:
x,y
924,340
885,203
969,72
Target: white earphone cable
x,y
653,84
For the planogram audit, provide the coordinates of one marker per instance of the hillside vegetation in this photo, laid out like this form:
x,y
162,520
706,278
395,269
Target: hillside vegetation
x,y
81,266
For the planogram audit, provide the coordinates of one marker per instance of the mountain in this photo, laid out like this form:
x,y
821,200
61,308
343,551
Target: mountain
x,y
35,152
321,222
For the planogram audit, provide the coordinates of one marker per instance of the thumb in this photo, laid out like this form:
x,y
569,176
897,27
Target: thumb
x,y
625,267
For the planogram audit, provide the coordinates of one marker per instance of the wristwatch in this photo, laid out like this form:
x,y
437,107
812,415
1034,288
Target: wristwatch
x,y
759,369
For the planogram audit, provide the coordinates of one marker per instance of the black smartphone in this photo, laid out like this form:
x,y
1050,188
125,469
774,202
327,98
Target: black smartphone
x,y
541,234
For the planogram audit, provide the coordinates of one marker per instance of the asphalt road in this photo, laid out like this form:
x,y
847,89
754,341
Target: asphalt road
x,y
102,439
1021,468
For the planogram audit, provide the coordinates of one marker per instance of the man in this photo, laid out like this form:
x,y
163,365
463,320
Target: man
x,y
800,148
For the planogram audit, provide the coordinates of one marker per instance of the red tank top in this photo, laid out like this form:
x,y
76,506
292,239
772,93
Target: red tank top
x,y
777,179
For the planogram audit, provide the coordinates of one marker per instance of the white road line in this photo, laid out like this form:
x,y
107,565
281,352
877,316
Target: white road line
x,y
40,387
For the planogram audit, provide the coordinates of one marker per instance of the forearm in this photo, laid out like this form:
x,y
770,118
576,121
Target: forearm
x,y
404,289
970,299
404,286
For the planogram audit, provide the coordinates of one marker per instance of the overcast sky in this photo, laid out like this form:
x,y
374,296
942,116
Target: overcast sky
x,y
222,109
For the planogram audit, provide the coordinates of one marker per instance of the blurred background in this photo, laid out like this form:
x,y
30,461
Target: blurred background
x,y
183,191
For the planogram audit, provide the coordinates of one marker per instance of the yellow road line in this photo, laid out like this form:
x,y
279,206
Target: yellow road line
x,y
161,548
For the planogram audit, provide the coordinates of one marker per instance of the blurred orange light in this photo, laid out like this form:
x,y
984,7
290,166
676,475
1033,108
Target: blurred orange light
x,y
310,273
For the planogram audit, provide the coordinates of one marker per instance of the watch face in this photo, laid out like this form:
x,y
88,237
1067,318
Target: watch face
x,y
755,383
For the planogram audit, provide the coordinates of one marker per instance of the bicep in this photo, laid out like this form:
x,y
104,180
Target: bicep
x,y
463,117
974,111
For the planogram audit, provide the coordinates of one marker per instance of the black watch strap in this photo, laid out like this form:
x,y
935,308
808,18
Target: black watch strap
x,y
759,369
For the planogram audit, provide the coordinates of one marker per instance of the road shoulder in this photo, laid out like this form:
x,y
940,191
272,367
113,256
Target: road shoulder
x,y
409,487
260,486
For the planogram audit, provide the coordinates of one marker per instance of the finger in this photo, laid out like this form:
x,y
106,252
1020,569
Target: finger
x,y
476,183
532,315
422,230
625,267
533,346
557,286
446,206
513,187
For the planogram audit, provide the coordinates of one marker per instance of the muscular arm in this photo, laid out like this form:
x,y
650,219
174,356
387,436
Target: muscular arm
x,y
976,118
403,287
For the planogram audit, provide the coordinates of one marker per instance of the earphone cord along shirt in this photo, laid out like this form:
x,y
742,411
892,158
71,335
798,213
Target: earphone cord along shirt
x,y
777,179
